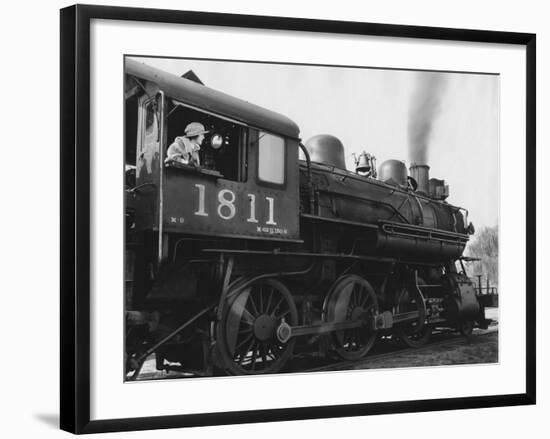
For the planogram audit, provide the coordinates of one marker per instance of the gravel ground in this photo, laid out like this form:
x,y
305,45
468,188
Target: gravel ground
x,y
473,351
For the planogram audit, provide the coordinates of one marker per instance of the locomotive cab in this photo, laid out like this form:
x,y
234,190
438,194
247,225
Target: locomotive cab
x,y
246,186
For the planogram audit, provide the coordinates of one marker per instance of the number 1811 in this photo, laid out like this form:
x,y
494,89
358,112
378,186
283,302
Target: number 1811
x,y
226,206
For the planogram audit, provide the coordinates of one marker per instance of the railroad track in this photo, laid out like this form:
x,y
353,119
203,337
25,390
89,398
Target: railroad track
x,y
389,350
448,339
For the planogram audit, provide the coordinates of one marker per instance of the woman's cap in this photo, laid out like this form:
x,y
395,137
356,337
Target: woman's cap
x,y
194,129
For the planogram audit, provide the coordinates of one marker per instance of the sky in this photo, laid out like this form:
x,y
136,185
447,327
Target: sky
x,y
388,113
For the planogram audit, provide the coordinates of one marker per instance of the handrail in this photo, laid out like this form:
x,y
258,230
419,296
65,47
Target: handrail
x,y
309,178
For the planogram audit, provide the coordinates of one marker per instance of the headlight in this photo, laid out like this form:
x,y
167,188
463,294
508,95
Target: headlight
x,y
216,141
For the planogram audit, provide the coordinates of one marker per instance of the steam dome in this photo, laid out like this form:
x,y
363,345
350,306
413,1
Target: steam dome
x,y
393,171
326,149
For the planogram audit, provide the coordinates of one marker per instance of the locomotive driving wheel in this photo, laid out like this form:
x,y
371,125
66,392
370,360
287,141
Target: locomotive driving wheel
x,y
412,334
247,330
352,298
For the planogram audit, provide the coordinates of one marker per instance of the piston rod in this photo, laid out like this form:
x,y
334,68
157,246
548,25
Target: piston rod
x,y
381,321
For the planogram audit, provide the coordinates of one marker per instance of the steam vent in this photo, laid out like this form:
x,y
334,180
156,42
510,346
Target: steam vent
x,y
326,149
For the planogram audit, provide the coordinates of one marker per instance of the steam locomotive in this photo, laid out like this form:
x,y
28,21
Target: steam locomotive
x,y
271,248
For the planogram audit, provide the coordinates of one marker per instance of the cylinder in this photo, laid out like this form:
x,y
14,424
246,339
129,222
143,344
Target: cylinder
x,y
421,173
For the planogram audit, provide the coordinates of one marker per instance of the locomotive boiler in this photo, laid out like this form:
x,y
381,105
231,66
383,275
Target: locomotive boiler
x,y
271,248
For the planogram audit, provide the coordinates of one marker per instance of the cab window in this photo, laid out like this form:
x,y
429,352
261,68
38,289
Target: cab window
x,y
271,158
223,151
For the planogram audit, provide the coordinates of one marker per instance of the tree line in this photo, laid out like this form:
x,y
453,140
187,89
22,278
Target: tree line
x,y
485,248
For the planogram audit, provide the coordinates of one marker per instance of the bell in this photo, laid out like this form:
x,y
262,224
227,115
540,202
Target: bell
x,y
363,163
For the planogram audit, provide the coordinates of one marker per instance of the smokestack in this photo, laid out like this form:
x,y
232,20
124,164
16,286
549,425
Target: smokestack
x,y
421,173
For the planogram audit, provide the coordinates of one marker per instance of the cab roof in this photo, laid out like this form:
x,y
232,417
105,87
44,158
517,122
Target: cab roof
x,y
213,101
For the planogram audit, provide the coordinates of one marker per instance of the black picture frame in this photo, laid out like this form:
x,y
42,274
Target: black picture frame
x,y
75,216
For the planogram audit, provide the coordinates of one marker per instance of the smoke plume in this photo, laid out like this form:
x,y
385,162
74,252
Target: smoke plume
x,y
424,108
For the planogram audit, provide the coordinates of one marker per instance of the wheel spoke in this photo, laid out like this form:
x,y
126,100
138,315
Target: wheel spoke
x,y
281,315
359,297
274,350
368,308
248,318
277,306
251,301
269,300
261,300
246,340
351,298
346,336
263,353
254,356
245,354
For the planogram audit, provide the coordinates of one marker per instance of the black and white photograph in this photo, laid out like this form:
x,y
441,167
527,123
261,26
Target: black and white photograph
x,y
275,220
300,218
294,217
